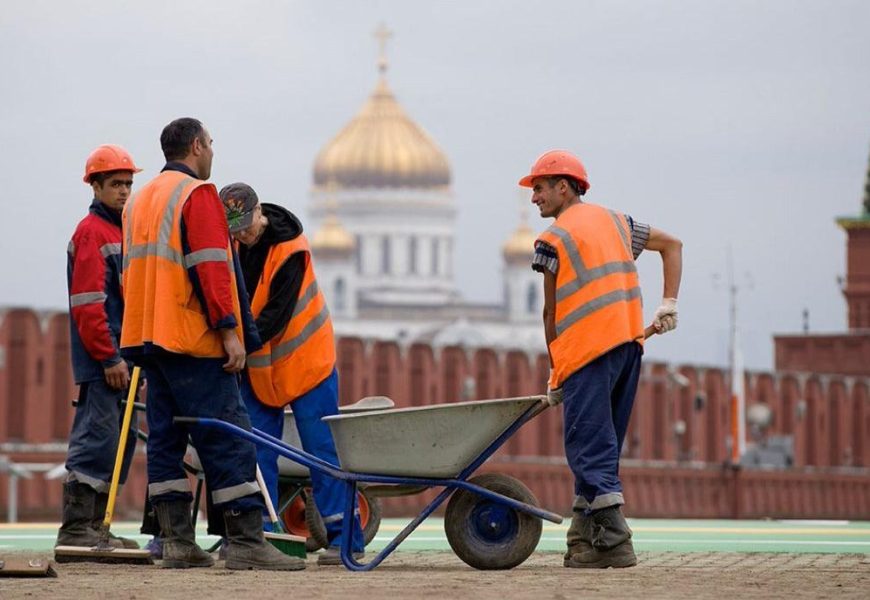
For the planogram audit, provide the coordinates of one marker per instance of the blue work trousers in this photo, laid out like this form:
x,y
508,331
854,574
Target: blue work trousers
x,y
316,438
93,441
180,385
597,405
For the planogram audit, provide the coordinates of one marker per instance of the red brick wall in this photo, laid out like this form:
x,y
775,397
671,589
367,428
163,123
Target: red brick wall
x,y
828,415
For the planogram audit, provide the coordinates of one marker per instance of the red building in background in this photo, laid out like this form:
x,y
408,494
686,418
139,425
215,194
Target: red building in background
x,y
844,353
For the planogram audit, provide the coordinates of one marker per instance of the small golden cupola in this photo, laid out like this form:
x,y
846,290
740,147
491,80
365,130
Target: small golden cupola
x,y
520,246
382,147
332,237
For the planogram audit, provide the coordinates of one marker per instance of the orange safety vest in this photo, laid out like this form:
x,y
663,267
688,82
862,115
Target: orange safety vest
x,y
598,301
160,306
296,360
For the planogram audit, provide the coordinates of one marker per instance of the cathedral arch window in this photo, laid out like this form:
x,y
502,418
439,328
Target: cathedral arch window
x,y
340,293
386,258
532,298
436,262
412,255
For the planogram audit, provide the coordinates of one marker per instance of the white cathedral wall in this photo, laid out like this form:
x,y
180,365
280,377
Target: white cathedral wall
x,y
519,279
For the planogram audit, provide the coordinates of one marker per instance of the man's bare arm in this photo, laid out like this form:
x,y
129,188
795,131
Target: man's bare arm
x,y
549,309
671,250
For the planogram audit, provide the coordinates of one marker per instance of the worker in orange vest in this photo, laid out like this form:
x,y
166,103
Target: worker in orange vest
x,y
593,322
96,309
296,364
184,323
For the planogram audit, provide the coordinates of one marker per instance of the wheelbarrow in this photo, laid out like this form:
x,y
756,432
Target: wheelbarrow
x,y
492,521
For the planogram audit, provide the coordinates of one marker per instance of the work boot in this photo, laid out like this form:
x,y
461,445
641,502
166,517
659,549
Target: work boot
x,y
100,503
611,542
76,528
332,556
579,535
179,538
248,548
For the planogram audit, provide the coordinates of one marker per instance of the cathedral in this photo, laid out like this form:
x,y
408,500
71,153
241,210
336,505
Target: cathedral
x,y
384,217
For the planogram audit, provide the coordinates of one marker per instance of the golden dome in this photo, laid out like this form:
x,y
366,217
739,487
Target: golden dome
x,y
521,244
382,147
332,236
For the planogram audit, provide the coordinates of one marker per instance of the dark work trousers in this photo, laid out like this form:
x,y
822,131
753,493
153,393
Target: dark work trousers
x,y
597,405
316,439
180,385
93,441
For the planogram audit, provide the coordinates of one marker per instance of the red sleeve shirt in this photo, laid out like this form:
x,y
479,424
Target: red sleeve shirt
x,y
91,283
204,229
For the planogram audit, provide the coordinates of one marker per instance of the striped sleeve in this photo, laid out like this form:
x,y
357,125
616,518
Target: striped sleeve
x,y
545,258
639,236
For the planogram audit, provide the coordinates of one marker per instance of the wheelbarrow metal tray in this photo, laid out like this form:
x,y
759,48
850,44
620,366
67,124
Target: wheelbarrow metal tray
x,y
289,468
436,441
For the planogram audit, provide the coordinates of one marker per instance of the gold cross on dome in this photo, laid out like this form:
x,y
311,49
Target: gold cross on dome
x,y
382,35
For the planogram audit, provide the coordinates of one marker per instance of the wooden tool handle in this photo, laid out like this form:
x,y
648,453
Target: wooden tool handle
x,y
122,446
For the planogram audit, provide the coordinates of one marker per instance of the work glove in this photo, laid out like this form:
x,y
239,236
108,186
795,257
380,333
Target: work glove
x,y
665,318
554,397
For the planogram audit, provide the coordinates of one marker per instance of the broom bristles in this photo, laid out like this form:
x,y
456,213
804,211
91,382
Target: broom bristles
x,y
291,545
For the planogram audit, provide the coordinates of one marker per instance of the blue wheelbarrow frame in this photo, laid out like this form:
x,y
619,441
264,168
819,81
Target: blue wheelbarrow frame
x,y
351,480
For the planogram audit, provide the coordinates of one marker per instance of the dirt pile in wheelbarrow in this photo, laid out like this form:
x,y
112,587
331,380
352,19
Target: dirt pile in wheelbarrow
x,y
408,575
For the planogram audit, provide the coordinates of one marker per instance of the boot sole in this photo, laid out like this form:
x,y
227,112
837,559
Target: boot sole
x,y
170,563
238,565
603,564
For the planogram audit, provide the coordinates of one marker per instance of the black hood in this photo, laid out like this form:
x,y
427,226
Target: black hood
x,y
283,226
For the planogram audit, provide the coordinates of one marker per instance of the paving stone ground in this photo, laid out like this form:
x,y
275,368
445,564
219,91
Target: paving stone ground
x,y
724,576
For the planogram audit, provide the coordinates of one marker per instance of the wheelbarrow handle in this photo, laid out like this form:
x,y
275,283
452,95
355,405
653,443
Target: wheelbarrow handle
x,y
190,420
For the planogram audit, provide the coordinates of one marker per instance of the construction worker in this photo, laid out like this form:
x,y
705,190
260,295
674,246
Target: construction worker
x,y
296,365
96,309
184,324
593,323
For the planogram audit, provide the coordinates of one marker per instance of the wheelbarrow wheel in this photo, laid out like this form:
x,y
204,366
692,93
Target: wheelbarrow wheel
x,y
486,534
369,517
293,517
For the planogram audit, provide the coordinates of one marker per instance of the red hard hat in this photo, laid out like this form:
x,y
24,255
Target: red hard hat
x,y
557,162
108,157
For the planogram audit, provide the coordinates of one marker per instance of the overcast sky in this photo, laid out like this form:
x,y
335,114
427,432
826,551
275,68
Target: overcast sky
x,y
741,123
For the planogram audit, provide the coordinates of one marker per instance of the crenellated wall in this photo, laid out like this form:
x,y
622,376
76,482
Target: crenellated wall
x,y
674,428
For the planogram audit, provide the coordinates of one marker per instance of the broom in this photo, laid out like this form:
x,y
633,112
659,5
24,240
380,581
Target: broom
x,y
104,552
291,545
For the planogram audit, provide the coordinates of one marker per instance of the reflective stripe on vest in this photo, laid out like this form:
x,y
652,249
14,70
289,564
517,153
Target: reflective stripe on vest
x,y
598,299
161,307
284,348
302,355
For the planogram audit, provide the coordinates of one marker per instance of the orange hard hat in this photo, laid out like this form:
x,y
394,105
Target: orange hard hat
x,y
557,162
108,157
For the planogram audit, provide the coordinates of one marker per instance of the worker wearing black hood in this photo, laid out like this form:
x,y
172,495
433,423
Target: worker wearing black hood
x,y
297,362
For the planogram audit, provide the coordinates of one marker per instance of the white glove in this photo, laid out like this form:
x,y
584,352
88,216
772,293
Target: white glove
x,y
554,397
665,318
